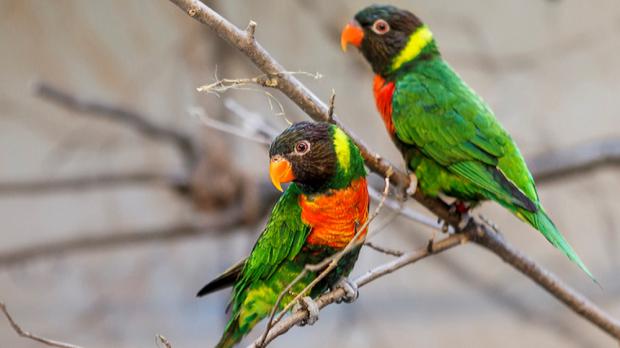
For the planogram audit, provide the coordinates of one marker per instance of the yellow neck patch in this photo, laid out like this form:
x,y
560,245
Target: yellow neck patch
x,y
417,41
343,149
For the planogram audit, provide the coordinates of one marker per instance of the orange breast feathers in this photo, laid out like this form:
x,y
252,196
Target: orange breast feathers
x,y
383,98
335,216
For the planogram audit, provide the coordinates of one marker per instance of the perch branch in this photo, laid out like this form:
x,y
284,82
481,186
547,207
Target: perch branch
x,y
316,109
23,333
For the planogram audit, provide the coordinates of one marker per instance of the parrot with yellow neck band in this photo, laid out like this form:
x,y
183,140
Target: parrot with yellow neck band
x,y
316,216
447,134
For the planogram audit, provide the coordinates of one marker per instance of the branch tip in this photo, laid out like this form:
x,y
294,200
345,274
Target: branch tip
x,y
251,30
332,105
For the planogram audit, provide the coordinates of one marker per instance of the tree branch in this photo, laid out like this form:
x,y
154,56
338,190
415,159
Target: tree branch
x,y
571,298
138,122
224,221
585,157
21,332
36,187
317,110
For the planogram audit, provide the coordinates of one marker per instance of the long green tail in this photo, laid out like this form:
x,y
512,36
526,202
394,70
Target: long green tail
x,y
541,221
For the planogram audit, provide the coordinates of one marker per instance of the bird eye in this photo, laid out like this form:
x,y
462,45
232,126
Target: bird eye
x,y
302,147
380,27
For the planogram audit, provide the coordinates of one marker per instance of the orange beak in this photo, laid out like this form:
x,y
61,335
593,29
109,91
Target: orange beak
x,y
351,34
280,171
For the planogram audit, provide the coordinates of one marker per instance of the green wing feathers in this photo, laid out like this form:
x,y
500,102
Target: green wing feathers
x,y
493,180
437,113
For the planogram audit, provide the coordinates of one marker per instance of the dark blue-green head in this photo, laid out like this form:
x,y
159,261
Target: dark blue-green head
x,y
388,37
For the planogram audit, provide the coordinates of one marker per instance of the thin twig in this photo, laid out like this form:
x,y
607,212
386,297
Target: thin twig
x,y
250,30
252,121
97,181
164,341
23,333
386,251
225,127
224,221
332,106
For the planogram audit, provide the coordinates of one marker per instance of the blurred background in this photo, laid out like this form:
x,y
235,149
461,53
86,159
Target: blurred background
x,y
117,203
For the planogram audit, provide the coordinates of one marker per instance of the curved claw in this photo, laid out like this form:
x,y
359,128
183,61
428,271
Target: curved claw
x,y
350,289
308,304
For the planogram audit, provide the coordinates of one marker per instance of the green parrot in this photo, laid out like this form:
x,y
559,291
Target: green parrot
x,y
447,134
317,216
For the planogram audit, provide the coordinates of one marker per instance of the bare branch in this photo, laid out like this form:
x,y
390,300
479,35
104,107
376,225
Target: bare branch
x,y
226,127
317,110
370,276
164,341
252,121
586,157
386,251
23,333
225,221
578,303
136,121
97,181
332,106
250,30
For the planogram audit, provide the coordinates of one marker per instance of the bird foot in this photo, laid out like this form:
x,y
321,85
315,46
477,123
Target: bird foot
x,y
413,184
351,292
309,305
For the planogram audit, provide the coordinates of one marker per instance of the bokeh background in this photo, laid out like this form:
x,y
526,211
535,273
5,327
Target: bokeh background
x,y
108,228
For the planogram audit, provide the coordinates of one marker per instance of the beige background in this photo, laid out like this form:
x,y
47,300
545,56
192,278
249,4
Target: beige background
x,y
550,70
